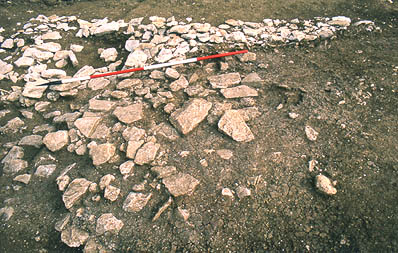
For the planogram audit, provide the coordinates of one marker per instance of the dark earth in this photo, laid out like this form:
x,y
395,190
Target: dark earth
x,y
357,144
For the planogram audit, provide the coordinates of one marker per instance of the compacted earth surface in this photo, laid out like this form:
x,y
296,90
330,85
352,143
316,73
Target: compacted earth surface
x,y
291,146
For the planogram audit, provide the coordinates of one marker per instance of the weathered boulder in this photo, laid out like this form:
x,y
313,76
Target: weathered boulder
x,y
190,115
102,153
239,91
87,125
146,153
180,184
129,114
234,125
74,237
224,80
31,140
56,140
76,189
325,185
108,223
135,202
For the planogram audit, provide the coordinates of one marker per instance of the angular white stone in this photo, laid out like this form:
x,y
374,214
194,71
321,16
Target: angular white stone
x,y
24,62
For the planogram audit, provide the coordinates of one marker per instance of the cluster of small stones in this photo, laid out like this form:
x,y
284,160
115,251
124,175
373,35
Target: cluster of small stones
x,y
92,127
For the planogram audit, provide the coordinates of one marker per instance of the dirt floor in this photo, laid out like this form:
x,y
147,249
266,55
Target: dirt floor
x,y
357,144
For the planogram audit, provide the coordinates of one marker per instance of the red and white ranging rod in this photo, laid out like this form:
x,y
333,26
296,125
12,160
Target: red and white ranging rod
x,y
156,66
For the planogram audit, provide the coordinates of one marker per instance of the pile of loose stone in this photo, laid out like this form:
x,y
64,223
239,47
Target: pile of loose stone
x,y
115,104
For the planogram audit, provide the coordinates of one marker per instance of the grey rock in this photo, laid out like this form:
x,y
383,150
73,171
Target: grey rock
x,y
53,73
129,114
131,45
45,170
180,29
84,71
157,75
56,140
180,184
16,152
146,153
135,202
224,80
234,125
75,191
5,67
190,115
102,153
74,237
129,84
239,91
108,223
67,117
325,185
248,57
14,166
31,140
167,131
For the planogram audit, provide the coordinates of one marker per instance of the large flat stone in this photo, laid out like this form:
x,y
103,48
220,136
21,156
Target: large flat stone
x,y
190,115
239,92
129,114
224,80
76,189
233,124
180,184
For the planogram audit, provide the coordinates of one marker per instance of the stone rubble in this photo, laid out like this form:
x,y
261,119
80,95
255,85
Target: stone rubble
x,y
121,101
